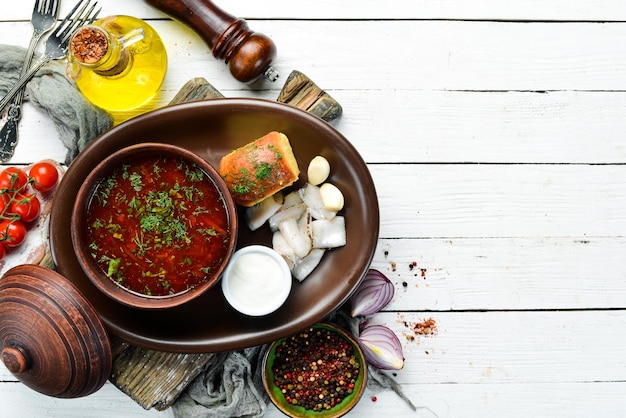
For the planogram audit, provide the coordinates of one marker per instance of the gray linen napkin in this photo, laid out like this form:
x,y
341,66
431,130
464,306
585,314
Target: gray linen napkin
x,y
231,386
76,119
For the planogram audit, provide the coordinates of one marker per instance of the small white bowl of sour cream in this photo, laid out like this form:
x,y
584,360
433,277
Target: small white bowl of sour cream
x,y
256,281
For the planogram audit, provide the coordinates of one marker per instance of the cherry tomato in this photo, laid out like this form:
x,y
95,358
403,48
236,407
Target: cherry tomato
x,y
13,178
12,233
45,175
3,251
27,206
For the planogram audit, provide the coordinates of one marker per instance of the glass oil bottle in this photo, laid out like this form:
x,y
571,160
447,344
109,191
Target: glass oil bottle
x,y
118,64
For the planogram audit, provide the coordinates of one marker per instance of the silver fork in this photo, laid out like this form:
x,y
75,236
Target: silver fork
x,y
56,45
44,16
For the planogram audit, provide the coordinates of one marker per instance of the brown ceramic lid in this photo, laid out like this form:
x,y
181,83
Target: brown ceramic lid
x,y
51,337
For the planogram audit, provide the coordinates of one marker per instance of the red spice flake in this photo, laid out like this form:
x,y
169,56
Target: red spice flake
x,y
423,272
89,45
374,398
426,327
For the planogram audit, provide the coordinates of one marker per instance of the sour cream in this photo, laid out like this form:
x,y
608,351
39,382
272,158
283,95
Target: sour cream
x,y
257,280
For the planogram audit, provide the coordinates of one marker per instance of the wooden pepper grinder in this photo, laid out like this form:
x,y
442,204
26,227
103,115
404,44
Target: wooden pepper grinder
x,y
249,55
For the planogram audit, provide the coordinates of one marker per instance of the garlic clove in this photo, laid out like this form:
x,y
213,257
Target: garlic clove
x,y
332,198
318,171
313,199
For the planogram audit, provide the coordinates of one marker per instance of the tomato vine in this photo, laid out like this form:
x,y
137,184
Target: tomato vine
x,y
20,205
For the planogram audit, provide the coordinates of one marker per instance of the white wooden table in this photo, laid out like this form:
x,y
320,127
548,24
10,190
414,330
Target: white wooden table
x,y
495,133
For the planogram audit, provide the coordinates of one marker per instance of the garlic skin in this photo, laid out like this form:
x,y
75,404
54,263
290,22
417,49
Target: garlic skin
x,y
381,347
318,170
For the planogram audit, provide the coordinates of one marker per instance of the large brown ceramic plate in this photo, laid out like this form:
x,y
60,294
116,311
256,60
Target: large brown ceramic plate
x,y
211,129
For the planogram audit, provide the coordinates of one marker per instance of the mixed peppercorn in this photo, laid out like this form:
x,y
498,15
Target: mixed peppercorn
x,y
316,369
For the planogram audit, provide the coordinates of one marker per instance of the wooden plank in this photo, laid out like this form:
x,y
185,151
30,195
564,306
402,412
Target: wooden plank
x,y
602,10
511,400
421,55
595,10
439,125
511,347
446,127
504,273
505,359
454,55
487,127
436,55
506,347
20,401
473,201
483,400
475,274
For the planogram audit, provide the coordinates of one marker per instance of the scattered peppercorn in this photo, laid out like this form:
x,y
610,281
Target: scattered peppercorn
x,y
316,369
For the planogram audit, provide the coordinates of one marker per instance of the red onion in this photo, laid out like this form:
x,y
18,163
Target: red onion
x,y
372,295
381,347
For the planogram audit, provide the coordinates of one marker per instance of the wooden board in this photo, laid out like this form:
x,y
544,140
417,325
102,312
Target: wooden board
x,y
155,379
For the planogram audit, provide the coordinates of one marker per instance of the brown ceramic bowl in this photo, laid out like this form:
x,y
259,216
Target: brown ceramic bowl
x,y
338,400
105,235
211,129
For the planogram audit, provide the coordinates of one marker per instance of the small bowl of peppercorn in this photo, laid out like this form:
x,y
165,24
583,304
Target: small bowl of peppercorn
x,y
319,372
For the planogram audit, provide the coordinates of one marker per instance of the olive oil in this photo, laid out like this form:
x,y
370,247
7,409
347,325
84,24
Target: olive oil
x,y
118,63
